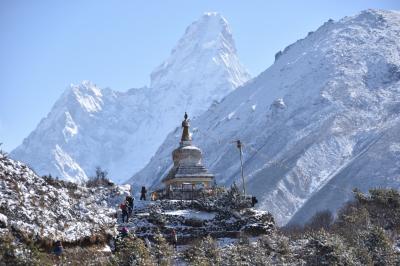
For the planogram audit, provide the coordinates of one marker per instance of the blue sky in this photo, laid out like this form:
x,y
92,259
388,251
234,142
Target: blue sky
x,y
46,45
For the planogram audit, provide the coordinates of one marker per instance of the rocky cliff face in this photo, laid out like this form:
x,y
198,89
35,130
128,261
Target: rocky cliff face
x,y
120,131
320,121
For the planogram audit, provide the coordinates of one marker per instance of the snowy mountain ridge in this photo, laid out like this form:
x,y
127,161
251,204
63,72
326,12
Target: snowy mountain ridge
x,y
212,34
314,124
120,131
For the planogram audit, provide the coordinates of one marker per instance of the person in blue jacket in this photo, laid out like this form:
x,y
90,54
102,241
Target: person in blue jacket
x,y
58,249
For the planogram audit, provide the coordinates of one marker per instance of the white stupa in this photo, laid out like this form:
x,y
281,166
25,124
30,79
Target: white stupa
x,y
188,173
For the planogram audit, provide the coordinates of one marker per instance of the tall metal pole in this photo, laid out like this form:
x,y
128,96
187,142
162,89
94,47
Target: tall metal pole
x,y
240,145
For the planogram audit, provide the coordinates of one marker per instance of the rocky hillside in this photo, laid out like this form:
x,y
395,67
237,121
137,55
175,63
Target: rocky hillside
x,y
223,216
43,209
317,123
120,131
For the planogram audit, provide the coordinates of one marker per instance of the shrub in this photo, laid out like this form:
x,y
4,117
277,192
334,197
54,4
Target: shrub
x,y
352,218
327,249
293,231
379,246
367,224
162,251
3,153
320,220
12,252
246,253
132,251
233,199
204,252
100,179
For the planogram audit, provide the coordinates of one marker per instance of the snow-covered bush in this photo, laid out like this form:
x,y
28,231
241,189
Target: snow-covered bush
x,y
327,249
100,179
379,246
365,232
161,251
204,252
13,252
46,209
132,251
233,199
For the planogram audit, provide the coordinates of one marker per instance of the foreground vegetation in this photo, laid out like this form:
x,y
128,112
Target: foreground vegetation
x,y
365,232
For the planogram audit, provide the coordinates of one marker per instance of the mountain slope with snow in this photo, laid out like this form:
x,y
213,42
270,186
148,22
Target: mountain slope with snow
x,y
42,208
120,131
322,118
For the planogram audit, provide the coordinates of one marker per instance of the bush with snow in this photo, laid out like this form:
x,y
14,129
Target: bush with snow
x,y
46,209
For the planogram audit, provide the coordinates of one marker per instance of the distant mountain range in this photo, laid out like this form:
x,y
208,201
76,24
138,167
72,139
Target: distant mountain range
x,y
120,131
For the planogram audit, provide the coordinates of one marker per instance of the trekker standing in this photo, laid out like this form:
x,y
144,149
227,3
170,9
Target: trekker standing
x,y
154,196
253,201
124,209
129,202
143,193
174,237
58,250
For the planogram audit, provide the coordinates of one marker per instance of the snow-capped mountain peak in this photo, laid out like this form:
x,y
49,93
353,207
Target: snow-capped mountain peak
x,y
208,42
85,96
88,96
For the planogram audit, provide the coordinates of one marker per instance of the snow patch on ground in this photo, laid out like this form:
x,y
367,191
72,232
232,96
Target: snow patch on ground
x,y
192,214
3,220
